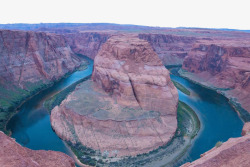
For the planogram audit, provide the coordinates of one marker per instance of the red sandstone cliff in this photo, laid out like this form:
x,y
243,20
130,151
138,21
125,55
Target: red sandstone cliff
x,y
232,153
171,49
86,43
33,57
29,61
130,106
128,69
14,155
223,65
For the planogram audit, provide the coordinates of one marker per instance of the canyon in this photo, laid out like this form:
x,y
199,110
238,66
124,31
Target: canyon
x,y
224,66
130,101
129,107
29,61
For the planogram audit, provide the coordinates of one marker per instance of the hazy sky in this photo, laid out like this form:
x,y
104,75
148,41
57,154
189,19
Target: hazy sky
x,y
163,13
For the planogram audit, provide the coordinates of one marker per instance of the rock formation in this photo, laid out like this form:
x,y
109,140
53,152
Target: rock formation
x,y
171,49
234,152
246,129
33,57
13,154
128,109
130,70
29,61
224,66
87,43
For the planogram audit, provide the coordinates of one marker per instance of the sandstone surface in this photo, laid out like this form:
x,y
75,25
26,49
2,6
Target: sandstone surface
x,y
28,56
234,152
86,43
171,49
130,106
246,129
223,65
29,61
13,154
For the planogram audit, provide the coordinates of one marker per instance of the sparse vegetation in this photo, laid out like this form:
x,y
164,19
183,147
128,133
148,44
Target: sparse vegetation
x,y
186,128
181,87
218,144
12,96
59,97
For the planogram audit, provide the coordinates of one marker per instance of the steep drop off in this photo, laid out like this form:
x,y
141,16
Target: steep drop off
x,y
171,49
13,154
29,61
224,66
234,152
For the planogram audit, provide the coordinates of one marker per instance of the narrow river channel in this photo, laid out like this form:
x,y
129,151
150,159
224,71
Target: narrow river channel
x,y
31,125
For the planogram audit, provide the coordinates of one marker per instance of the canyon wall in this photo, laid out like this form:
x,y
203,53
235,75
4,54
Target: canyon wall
x,y
171,49
223,66
29,61
128,108
33,57
86,43
13,154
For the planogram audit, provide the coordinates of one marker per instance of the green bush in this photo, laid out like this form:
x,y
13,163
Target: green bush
x,y
218,144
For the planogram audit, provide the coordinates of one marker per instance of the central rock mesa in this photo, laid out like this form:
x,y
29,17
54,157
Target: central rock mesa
x,y
129,69
130,106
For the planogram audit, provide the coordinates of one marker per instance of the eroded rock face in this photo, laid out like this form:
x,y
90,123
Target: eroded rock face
x,y
128,109
128,69
246,129
34,57
87,43
223,65
171,49
12,154
234,152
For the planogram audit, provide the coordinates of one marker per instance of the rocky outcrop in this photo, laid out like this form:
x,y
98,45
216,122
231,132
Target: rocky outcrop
x,y
234,152
33,57
224,66
29,61
86,43
128,109
171,49
13,154
129,70
246,129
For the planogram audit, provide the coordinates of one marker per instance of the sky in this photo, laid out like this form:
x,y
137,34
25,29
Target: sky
x,y
161,13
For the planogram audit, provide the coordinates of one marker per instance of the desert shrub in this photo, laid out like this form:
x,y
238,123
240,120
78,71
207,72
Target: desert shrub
x,y
218,144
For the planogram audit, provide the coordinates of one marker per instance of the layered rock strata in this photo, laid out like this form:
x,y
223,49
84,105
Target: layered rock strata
x,y
12,154
224,66
234,152
171,49
29,61
128,109
31,57
86,43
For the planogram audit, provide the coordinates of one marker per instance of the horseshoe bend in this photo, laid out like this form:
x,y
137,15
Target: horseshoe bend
x,y
129,106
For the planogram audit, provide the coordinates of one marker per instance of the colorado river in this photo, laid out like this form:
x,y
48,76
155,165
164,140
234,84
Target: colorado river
x,y
31,125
